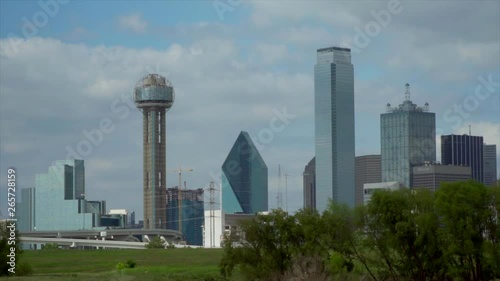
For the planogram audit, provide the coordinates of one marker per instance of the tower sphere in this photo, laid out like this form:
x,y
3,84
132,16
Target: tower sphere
x,y
154,90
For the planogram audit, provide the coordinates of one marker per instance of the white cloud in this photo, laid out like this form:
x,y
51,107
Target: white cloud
x,y
133,22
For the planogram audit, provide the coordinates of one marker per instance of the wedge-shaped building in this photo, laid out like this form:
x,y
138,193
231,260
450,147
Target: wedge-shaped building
x,y
244,179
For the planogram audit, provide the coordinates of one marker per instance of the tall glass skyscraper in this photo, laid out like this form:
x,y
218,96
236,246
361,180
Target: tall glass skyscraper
x,y
244,179
309,178
334,126
464,150
192,214
408,139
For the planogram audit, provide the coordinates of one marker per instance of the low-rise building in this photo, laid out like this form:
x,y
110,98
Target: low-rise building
x,y
430,176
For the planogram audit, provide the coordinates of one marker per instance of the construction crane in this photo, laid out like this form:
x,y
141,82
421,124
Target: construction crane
x,y
179,190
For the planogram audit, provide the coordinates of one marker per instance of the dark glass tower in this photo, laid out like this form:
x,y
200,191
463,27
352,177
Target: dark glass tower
x,y
310,184
244,179
192,209
464,150
334,126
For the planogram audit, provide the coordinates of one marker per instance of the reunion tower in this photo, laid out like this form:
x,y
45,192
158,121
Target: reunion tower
x,y
154,95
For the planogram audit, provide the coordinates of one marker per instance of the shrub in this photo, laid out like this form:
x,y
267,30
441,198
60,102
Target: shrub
x,y
130,264
155,243
120,266
24,269
50,246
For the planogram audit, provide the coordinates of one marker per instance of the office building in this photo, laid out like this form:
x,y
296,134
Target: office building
x,y
58,200
334,127
368,170
26,210
464,150
370,188
309,179
430,176
154,96
192,208
219,226
490,164
244,179
408,139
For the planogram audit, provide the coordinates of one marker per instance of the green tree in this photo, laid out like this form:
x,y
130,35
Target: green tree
x,y
402,226
467,213
9,258
156,243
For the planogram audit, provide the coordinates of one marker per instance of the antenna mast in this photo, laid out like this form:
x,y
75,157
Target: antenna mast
x,y
407,92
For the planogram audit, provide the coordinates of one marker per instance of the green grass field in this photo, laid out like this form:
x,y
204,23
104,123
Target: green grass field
x,y
151,264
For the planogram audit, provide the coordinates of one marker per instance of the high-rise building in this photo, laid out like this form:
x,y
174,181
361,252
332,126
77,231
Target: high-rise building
x,y
490,164
192,208
408,139
464,150
26,210
334,126
368,170
310,185
244,179
58,200
154,95
430,176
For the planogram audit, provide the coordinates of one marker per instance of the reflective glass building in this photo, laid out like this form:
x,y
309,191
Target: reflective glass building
x,y
309,178
58,200
334,126
408,139
192,214
244,179
464,150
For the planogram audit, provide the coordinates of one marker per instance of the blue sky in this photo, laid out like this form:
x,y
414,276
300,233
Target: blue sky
x,y
229,73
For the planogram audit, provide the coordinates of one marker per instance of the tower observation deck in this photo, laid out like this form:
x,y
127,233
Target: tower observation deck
x,y
154,95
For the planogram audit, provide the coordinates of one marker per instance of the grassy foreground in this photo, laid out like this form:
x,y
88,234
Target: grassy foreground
x,y
151,264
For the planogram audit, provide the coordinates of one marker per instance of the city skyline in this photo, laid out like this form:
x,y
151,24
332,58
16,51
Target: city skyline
x,y
237,73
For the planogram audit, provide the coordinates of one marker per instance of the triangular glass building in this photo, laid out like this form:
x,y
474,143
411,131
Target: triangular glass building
x,y
244,179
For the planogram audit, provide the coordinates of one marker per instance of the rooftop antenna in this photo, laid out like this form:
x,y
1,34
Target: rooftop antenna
x,y
407,91
469,130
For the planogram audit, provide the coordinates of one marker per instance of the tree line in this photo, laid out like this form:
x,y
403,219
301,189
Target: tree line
x,y
450,234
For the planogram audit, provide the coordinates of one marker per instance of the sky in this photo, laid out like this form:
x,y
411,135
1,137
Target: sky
x,y
68,69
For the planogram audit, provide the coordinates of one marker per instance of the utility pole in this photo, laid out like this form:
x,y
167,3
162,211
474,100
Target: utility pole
x,y
212,214
286,191
279,197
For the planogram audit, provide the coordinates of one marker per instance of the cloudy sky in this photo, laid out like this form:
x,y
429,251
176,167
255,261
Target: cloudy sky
x,y
65,66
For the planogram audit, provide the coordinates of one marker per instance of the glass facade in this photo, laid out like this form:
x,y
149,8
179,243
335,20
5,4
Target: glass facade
x,y
464,150
310,185
334,127
244,179
192,214
408,139
58,200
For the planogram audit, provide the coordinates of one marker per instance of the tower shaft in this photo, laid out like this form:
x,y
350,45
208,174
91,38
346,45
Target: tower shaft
x,y
154,167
